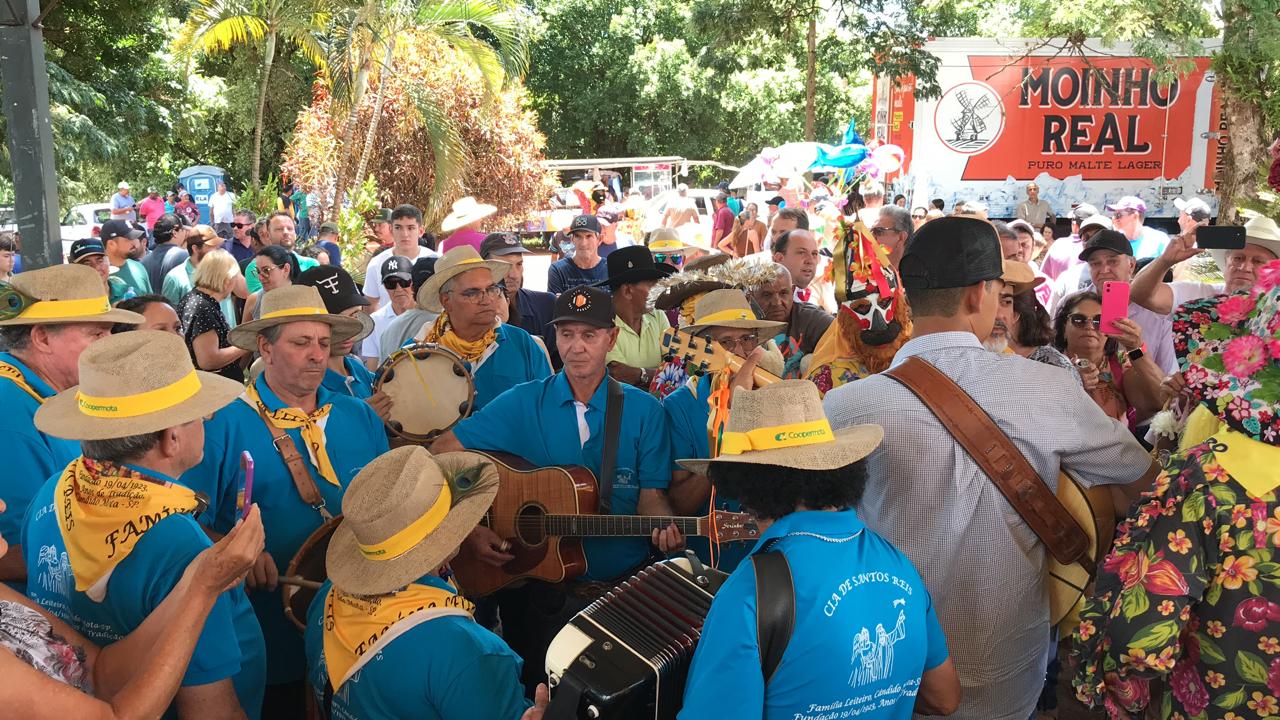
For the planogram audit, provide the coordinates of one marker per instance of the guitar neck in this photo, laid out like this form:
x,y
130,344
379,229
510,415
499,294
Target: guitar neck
x,y
761,376
619,525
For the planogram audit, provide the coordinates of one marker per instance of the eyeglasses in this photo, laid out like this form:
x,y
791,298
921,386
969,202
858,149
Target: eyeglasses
x,y
396,283
477,295
878,231
917,217
671,258
746,342
1080,320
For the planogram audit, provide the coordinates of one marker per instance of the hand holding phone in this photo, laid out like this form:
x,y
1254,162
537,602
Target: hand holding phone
x,y
246,468
1115,305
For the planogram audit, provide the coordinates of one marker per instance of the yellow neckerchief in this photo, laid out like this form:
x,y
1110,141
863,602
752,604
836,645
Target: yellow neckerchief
x,y
103,509
1201,425
356,626
470,350
15,376
310,426
1251,462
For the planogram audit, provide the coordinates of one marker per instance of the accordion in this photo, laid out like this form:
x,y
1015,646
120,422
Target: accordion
x,y
626,656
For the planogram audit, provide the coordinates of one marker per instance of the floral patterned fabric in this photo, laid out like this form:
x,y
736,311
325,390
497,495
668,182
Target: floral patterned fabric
x,y
836,373
29,636
1189,595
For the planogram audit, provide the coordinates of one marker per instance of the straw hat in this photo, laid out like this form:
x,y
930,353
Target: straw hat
x,y
706,262
783,424
728,308
404,515
134,383
1019,276
293,303
666,240
57,295
1260,231
452,264
465,212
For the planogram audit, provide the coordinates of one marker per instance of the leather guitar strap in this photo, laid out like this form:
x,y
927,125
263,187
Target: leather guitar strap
x,y
302,480
999,458
609,455
775,607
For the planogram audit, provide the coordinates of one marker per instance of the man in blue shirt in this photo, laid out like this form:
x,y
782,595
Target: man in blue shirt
x,y
465,290
529,310
560,421
347,374
334,434
585,266
62,310
429,659
865,639
109,536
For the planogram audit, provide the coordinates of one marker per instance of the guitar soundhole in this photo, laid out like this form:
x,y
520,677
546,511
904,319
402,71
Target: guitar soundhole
x,y
531,525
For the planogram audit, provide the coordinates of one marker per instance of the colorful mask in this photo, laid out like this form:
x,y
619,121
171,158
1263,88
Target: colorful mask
x,y
869,290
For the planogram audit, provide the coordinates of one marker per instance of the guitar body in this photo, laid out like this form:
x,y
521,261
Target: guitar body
x,y
1094,510
529,492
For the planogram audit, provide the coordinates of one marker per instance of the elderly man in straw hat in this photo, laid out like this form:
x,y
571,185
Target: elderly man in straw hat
x,y
464,224
560,420
307,443
47,318
111,534
404,517
861,614
467,293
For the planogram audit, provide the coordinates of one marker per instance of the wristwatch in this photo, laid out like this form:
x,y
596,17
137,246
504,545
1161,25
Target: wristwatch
x,y
644,377
1136,354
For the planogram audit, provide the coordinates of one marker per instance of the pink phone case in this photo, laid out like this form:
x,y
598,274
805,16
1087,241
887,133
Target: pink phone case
x,y
1115,304
246,466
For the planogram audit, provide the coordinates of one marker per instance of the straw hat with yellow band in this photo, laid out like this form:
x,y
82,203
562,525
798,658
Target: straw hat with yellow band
x,y
403,516
293,303
461,259
783,424
666,240
728,308
131,384
1020,277
57,295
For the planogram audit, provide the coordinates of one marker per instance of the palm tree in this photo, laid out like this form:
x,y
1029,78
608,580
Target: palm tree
x,y
218,25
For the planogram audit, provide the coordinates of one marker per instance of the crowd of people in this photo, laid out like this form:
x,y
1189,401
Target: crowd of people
x,y
770,372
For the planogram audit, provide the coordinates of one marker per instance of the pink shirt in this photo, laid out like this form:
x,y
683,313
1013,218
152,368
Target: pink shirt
x,y
151,209
465,236
1063,253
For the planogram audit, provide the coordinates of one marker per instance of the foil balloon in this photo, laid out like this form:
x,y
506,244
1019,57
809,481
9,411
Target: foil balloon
x,y
888,158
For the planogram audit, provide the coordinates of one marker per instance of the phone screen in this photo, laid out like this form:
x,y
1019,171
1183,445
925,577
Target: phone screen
x,y
1115,304
1220,237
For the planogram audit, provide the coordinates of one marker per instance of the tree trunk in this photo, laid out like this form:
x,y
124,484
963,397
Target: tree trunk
x,y
810,81
1245,123
345,148
372,131
255,172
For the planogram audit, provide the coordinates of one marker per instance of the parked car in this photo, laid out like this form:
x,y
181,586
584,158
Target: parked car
x,y
83,221
8,219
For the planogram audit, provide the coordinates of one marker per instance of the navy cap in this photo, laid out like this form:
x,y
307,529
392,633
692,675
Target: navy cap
x,y
584,304
951,252
585,222
505,243
1112,240
112,229
88,247
423,269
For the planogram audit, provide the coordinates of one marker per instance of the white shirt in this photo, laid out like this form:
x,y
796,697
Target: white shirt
x,y
222,207
373,272
381,318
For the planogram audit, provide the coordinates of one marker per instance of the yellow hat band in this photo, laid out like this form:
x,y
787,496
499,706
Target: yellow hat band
x,y
293,312
725,315
62,309
777,436
152,401
417,531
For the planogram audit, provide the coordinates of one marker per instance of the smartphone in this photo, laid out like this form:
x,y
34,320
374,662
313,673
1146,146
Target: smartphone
x,y
1115,305
1220,237
246,468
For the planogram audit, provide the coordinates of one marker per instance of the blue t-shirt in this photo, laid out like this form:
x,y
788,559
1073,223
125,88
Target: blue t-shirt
x,y
444,668
538,422
353,436
863,616
688,413
30,455
230,645
357,383
518,359
564,275
1149,243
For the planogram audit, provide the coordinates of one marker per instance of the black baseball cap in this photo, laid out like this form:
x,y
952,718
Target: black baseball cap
x,y
776,200
397,266
336,287
1112,240
112,229
82,249
584,304
951,252
423,269
165,225
495,244
585,222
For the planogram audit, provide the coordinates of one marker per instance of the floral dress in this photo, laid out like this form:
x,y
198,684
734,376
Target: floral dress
x,y
1189,595
30,637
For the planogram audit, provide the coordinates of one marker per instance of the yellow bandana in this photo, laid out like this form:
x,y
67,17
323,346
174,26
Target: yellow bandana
x,y
470,350
312,434
103,509
356,627
14,375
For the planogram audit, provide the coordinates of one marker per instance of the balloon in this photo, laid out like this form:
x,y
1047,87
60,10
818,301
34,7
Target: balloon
x,y
888,158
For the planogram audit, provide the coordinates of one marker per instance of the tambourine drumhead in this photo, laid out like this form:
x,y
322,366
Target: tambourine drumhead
x,y
309,564
1067,583
430,388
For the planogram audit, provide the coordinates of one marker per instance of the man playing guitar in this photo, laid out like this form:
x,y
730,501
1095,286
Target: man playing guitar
x,y
561,421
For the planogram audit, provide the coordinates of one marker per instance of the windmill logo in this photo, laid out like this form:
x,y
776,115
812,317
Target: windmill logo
x,y
969,118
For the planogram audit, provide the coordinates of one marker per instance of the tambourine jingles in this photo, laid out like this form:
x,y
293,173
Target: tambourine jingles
x,y
305,573
431,389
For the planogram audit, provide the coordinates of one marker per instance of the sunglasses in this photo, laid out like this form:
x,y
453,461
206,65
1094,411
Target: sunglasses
x,y
1080,320
241,225
674,259
396,283
878,231
918,217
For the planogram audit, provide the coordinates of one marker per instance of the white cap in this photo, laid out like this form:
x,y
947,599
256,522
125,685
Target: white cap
x,y
123,185
1101,221
682,188
1194,205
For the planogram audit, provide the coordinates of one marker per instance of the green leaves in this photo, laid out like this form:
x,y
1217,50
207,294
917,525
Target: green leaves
x,y
1156,635
1251,668
1134,602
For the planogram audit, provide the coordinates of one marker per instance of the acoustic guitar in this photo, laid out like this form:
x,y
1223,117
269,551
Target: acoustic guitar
x,y
1094,510
543,513
701,356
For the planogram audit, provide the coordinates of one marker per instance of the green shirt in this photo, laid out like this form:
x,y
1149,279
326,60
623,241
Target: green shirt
x,y
134,274
642,350
299,199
